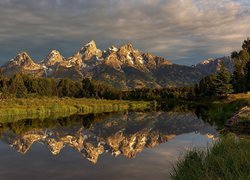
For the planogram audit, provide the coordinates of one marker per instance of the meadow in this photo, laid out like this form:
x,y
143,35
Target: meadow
x,y
53,106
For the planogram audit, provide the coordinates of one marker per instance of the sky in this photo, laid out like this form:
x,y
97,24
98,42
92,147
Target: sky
x,y
183,31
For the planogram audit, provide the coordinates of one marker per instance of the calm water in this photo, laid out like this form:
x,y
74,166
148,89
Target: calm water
x,y
131,145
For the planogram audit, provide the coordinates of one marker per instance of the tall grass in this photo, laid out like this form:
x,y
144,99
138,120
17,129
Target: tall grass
x,y
45,107
228,159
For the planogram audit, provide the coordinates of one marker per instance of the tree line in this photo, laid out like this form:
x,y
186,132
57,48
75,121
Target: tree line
x,y
23,85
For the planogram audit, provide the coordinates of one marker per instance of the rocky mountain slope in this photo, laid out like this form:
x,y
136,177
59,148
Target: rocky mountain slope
x,y
124,67
211,66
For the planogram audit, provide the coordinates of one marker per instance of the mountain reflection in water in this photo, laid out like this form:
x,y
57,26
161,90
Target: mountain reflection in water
x,y
119,134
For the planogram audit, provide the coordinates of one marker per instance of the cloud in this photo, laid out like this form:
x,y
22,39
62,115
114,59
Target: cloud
x,y
183,30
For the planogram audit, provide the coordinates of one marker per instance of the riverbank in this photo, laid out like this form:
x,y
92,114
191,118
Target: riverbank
x,y
227,159
219,111
240,122
46,107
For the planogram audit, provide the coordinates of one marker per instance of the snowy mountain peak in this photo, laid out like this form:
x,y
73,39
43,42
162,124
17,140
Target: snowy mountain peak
x,y
127,47
89,51
113,49
22,59
207,61
21,63
23,56
54,52
92,43
211,65
53,58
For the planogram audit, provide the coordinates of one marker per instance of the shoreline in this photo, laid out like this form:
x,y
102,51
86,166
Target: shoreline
x,y
46,107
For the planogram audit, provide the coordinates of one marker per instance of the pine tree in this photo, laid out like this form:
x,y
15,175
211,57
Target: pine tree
x,y
246,45
64,87
17,86
240,60
54,87
3,87
247,77
223,81
207,86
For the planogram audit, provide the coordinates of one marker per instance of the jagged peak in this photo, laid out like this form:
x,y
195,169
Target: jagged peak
x,y
53,57
128,47
90,46
91,43
23,54
90,50
148,55
54,52
113,48
22,57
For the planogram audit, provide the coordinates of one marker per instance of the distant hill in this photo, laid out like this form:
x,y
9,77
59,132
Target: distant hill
x,y
124,67
211,66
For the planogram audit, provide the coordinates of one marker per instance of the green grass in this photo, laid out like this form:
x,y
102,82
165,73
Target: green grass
x,y
228,159
46,107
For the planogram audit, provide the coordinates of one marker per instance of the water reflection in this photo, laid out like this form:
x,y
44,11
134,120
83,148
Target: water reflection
x,y
121,134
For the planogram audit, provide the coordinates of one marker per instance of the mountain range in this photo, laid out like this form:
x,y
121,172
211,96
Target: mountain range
x,y
124,67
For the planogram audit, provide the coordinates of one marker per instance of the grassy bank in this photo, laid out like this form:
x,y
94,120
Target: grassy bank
x,y
240,122
45,107
219,111
228,159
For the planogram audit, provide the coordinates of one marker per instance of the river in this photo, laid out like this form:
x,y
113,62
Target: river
x,y
124,145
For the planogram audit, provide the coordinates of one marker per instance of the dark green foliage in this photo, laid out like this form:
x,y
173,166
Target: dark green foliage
x,y
246,45
247,77
22,85
17,86
64,86
218,84
54,87
3,86
208,86
222,81
25,85
241,59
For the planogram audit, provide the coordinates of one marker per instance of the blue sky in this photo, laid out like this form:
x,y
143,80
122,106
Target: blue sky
x,y
183,31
